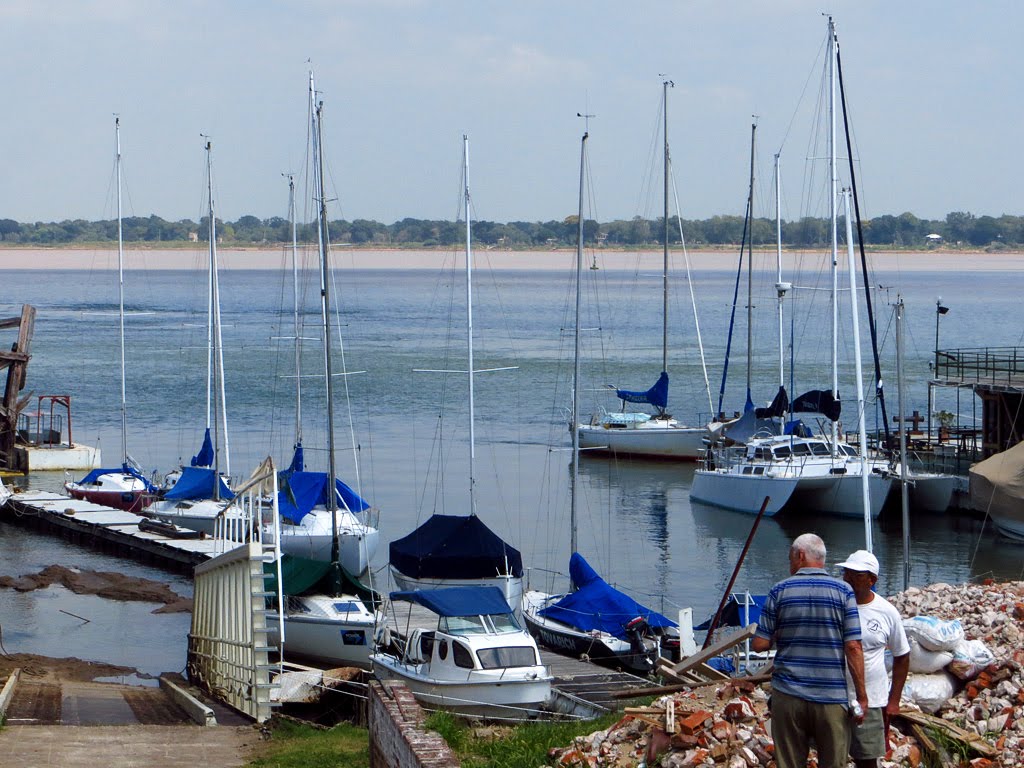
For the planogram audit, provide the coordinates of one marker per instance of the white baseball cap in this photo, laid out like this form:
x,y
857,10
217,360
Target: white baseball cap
x,y
861,560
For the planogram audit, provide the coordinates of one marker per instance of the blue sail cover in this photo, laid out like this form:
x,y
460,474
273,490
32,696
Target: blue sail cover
x,y
458,601
205,456
656,395
301,491
778,406
454,547
298,461
95,474
818,401
597,605
197,483
736,614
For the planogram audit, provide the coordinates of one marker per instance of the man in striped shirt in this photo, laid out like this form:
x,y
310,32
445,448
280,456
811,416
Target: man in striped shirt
x,y
812,620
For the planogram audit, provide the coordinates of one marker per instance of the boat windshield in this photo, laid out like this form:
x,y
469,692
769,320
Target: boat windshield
x,y
511,656
495,623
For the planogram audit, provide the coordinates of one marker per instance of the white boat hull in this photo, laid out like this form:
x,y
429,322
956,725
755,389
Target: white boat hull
x,y
335,638
650,439
931,492
202,516
840,495
313,540
742,493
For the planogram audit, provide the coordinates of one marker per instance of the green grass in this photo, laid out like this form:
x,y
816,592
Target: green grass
x,y
522,746
299,746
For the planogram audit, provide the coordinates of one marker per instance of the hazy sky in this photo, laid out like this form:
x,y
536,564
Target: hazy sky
x,y
934,88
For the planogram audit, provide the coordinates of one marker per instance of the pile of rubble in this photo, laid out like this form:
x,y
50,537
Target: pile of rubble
x,y
981,725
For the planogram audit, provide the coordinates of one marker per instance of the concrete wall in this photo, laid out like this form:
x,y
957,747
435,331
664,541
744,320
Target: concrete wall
x,y
397,738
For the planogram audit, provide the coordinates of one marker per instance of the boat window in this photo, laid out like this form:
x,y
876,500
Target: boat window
x,y
847,450
820,449
442,650
801,449
462,656
765,454
511,656
347,607
503,622
426,645
463,625
782,452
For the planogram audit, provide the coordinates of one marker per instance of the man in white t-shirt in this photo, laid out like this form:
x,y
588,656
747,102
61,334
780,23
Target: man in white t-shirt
x,y
881,627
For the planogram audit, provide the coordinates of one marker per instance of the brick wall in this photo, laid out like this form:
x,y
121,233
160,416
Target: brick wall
x,y
397,737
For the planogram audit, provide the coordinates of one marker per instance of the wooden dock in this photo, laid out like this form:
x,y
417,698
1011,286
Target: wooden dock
x,y
111,530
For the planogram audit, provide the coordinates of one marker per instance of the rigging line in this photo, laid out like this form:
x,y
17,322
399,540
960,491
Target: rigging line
x,y
803,92
732,315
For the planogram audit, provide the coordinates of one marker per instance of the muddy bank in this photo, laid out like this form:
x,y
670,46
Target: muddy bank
x,y
107,584
47,669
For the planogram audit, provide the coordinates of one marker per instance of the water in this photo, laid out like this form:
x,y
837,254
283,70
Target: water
x,y
637,526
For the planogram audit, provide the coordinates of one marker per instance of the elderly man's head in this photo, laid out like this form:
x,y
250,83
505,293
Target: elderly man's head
x,y
806,551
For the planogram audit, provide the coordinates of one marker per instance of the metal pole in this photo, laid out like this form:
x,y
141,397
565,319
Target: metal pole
x,y
904,489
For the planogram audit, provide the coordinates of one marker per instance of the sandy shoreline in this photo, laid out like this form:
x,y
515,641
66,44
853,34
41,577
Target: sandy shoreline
x,y
67,259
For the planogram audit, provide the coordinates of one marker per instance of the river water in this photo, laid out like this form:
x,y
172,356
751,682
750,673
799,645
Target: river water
x,y
637,525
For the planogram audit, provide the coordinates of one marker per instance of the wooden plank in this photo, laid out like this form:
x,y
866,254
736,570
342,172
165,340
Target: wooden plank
x,y
715,649
661,689
971,740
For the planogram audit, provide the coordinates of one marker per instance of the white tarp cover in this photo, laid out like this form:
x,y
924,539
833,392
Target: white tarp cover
x,y
997,484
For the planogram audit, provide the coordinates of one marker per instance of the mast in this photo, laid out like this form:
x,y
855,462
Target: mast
x,y
469,324
664,269
295,300
120,293
576,358
833,216
904,488
750,264
215,354
780,287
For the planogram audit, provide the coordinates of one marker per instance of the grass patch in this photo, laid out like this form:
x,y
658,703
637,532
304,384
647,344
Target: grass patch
x,y
522,746
293,745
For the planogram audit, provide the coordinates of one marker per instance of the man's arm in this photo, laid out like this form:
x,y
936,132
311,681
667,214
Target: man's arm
x,y
855,664
762,644
900,668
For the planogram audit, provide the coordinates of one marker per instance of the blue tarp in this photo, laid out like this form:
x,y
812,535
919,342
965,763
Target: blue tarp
x,y
458,601
597,605
298,461
124,469
733,613
656,395
301,491
205,456
197,483
454,547
818,401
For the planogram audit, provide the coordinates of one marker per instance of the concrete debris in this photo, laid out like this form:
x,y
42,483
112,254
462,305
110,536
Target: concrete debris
x,y
981,725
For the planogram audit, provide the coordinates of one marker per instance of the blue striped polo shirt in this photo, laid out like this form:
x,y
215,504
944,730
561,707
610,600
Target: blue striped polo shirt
x,y
810,616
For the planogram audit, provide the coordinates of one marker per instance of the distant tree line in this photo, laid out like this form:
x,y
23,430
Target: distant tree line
x,y
903,231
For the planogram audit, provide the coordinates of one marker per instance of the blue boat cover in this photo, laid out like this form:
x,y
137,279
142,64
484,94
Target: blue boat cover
x,y
301,491
197,483
656,395
298,461
454,547
818,401
205,456
597,605
124,469
733,613
458,601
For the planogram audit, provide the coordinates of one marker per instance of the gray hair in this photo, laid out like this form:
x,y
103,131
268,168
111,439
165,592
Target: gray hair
x,y
811,545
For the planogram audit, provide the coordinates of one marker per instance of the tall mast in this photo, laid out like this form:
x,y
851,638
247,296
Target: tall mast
x,y
904,488
833,216
469,324
780,287
576,358
215,354
750,263
120,293
295,302
664,269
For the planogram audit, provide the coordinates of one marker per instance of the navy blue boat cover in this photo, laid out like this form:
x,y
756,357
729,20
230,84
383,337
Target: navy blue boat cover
x,y
818,401
197,483
298,461
301,491
454,547
205,456
656,395
733,613
778,407
124,469
458,601
597,605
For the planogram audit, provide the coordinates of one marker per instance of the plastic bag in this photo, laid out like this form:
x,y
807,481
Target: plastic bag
x,y
969,658
930,692
934,634
923,661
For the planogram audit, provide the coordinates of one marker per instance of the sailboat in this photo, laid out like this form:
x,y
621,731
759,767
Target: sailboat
x,y
124,487
329,616
593,619
637,433
197,496
812,473
460,550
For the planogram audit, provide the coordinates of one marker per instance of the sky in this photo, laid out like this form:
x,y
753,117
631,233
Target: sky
x,y
933,88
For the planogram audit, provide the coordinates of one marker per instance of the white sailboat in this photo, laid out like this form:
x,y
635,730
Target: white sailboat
x,y
593,619
124,487
636,433
460,550
816,474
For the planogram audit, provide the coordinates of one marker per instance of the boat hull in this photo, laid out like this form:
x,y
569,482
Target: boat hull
x,y
840,495
931,492
357,545
649,440
742,493
337,644
127,500
203,516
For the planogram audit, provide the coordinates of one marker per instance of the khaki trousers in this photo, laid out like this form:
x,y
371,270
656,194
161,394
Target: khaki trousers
x,y
795,722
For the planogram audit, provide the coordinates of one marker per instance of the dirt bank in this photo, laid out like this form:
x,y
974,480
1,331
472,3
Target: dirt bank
x,y
113,586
